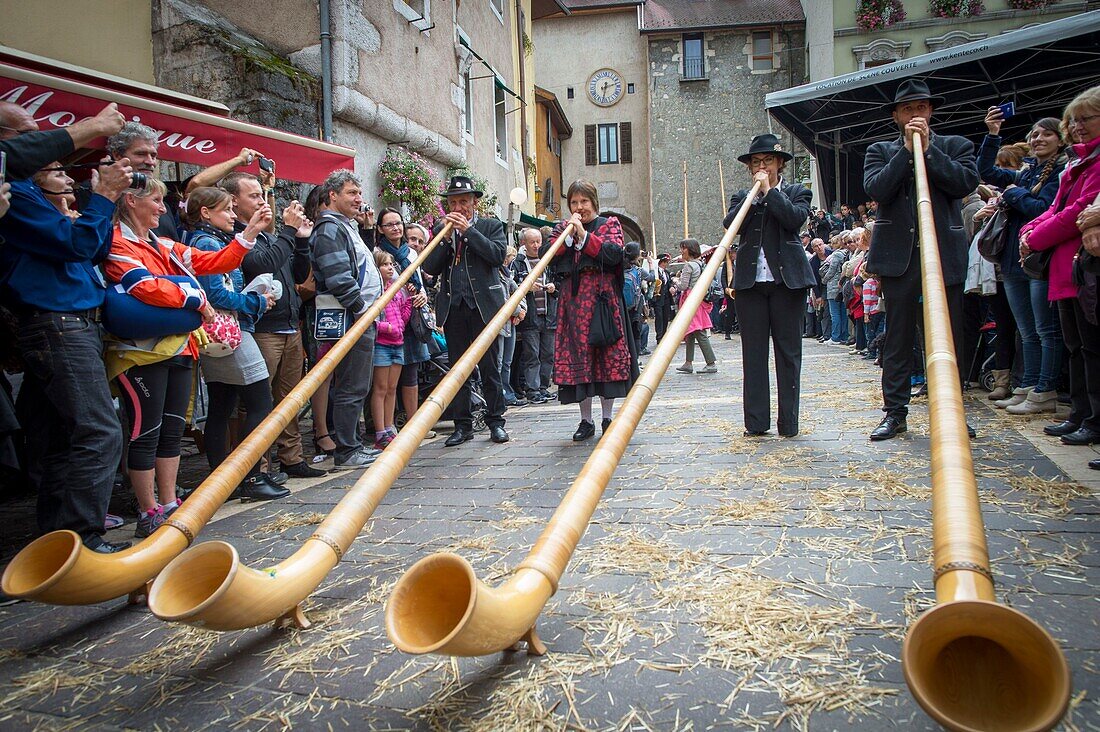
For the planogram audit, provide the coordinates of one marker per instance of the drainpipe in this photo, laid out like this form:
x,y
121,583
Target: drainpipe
x,y
326,72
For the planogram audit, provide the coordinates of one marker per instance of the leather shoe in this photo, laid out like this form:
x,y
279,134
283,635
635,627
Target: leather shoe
x,y
1061,428
260,488
458,437
755,433
605,424
302,470
970,431
584,430
1083,436
498,434
99,545
889,427
1094,463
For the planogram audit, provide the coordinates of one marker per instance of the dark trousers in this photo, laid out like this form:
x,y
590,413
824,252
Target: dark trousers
x,y
770,311
903,317
537,357
662,316
256,399
156,397
350,387
74,441
1082,340
463,326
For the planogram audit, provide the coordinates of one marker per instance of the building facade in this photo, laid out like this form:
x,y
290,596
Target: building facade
x,y
450,81
838,43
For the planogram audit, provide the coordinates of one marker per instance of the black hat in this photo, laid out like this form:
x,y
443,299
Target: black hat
x,y
762,144
806,234
912,90
461,184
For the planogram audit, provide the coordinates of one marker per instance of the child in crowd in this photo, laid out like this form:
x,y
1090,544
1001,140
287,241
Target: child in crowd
x,y
389,354
874,318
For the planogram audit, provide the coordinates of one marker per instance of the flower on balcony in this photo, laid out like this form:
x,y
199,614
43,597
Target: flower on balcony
x,y
955,8
878,14
1029,4
406,178
487,204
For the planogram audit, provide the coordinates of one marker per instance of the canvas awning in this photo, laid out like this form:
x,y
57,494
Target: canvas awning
x,y
190,130
1040,68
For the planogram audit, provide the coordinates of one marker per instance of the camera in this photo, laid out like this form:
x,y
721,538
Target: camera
x,y
138,181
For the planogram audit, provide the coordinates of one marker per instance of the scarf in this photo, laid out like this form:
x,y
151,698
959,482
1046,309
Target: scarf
x,y
400,256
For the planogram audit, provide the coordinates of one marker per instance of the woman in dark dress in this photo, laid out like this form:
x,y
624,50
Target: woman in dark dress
x,y
588,268
770,278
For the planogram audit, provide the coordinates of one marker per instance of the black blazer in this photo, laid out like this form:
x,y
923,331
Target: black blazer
x,y
773,225
483,248
889,179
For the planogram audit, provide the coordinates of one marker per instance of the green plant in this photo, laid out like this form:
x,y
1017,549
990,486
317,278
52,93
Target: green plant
x,y
955,8
406,178
1029,4
878,14
528,45
487,204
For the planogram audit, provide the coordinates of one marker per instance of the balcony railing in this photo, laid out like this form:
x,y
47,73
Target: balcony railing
x,y
693,68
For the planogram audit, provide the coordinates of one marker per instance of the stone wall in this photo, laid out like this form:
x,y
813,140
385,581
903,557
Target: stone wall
x,y
707,120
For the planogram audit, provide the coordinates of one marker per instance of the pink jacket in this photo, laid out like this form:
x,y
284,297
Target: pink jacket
x,y
1057,226
391,326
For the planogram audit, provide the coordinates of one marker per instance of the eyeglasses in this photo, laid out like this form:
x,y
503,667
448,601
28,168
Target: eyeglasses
x,y
392,225
1082,120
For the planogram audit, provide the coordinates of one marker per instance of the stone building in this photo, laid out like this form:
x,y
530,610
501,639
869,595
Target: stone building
x,y
710,66
593,61
451,81
838,45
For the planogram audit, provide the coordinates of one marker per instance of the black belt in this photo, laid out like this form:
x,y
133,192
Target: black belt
x,y
94,314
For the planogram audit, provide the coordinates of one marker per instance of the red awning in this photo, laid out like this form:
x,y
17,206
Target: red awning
x,y
186,134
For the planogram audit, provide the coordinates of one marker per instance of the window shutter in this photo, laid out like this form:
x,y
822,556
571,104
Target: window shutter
x,y
590,144
626,148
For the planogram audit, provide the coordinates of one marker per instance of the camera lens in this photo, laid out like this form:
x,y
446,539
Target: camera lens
x,y
138,181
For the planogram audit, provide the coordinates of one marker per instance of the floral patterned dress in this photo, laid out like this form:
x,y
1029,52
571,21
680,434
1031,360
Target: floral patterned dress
x,y
581,370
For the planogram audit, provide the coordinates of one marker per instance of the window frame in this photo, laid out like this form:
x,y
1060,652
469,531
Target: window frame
x,y
468,102
684,39
410,14
754,56
499,12
500,121
601,138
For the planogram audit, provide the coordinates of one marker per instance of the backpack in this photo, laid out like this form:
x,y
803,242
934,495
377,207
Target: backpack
x,y
632,287
714,294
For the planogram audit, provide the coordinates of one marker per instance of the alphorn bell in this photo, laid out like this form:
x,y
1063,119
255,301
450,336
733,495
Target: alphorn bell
x,y
439,605
971,663
207,586
58,569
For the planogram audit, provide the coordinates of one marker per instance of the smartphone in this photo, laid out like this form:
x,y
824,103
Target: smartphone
x,y
267,165
3,167
1008,109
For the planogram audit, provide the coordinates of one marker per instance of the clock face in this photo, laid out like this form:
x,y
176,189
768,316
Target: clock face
x,y
605,87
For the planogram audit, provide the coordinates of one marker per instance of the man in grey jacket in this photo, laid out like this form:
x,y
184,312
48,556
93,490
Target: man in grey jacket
x,y
344,268
830,273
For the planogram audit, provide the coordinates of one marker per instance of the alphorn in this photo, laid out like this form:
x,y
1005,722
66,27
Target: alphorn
x,y
971,663
58,569
207,586
439,605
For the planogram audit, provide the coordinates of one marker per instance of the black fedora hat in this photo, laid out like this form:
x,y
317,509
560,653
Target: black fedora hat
x,y
912,90
765,144
461,184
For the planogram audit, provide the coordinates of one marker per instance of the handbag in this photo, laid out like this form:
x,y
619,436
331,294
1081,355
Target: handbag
x,y
1036,265
993,236
603,331
331,321
224,332
418,326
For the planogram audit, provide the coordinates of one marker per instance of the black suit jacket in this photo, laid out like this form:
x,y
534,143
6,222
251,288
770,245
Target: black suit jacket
x,y
483,248
773,225
889,179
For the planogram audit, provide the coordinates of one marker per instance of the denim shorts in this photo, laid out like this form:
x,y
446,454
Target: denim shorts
x,y
389,355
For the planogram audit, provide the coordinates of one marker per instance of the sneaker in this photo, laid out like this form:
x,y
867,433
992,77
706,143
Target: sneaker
x,y
99,545
301,470
646,351
149,522
360,459
383,442
537,398
431,435
710,368
112,522
685,369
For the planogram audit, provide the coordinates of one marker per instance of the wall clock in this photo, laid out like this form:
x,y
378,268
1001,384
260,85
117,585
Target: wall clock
x,y
605,87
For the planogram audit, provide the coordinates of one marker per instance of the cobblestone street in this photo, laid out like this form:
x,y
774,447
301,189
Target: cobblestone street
x,y
727,582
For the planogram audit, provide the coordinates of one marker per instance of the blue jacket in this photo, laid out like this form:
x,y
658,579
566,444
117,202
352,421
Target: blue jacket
x,y
1023,205
248,307
48,261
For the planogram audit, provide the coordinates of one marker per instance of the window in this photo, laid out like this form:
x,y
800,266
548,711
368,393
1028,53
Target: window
x,y
501,121
608,144
568,92
469,106
693,56
498,8
762,58
629,88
